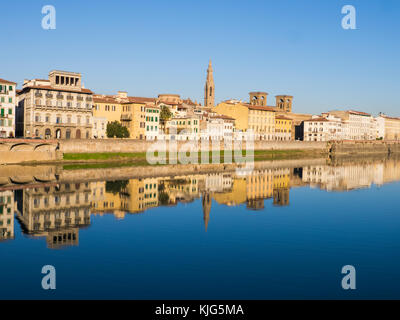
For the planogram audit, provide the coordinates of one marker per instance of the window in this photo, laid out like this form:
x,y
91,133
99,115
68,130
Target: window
x,y
10,100
9,111
10,88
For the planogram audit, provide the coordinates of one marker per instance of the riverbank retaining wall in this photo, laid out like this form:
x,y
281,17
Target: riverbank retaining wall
x,y
126,145
360,148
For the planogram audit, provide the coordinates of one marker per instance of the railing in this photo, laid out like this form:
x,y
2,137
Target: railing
x,y
126,116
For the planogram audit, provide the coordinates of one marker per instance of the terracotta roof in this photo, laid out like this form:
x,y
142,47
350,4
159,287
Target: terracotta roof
x,y
6,81
266,108
282,118
320,119
222,116
141,99
188,101
104,99
55,89
359,113
151,107
115,99
387,117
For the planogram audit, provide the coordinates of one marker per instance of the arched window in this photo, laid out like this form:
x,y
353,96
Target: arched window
x,y
68,134
47,134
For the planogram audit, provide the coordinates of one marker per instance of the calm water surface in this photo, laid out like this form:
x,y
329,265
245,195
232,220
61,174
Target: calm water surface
x,y
276,233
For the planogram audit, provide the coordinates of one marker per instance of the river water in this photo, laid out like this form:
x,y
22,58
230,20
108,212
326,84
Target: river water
x,y
282,232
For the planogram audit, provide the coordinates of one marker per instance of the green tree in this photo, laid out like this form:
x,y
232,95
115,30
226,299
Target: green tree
x,y
116,186
117,130
165,114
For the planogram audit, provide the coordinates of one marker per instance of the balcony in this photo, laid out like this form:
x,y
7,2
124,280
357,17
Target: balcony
x,y
126,117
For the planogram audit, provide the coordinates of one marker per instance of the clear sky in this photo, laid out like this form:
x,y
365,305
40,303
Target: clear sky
x,y
150,47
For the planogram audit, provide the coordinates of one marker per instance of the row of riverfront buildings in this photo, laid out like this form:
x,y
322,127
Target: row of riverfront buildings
x,y
60,107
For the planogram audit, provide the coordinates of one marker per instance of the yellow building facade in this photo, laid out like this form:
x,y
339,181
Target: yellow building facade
x,y
283,128
259,119
129,111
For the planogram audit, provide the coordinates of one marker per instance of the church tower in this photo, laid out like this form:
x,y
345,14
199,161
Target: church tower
x,y
209,89
206,201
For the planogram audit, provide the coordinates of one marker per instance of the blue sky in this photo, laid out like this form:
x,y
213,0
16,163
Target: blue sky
x,y
150,47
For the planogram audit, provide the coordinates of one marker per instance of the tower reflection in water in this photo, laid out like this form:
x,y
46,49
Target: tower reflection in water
x,y
57,211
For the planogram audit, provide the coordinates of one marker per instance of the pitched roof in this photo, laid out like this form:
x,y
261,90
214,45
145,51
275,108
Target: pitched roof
x,y
221,116
55,89
282,118
6,81
261,108
320,119
359,113
115,99
104,99
141,99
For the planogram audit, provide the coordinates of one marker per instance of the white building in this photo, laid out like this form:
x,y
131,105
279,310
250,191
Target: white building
x,y
7,108
356,125
99,130
388,128
217,127
57,108
152,124
325,128
380,127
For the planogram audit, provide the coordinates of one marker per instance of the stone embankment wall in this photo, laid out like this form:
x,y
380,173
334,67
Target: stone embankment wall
x,y
363,148
127,145
22,150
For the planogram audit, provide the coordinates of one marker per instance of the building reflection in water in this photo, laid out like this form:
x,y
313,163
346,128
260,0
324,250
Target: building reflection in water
x,y
55,212
58,211
6,215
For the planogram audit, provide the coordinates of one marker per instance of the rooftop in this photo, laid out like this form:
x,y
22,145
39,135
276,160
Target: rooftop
x,y
2,81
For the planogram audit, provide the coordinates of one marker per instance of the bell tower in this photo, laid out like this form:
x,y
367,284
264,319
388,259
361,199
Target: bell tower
x,y
258,98
209,89
284,103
